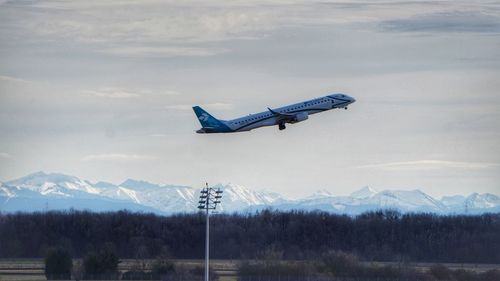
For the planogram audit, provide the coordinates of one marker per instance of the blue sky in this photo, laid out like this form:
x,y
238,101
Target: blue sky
x,y
103,90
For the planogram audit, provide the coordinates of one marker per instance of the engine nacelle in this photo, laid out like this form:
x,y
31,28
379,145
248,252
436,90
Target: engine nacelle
x,y
301,117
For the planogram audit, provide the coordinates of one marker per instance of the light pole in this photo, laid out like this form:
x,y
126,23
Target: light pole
x,y
209,198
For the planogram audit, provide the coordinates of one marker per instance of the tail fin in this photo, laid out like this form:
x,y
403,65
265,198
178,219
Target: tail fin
x,y
208,121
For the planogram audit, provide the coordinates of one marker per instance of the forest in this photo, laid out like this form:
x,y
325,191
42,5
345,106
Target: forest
x,y
293,235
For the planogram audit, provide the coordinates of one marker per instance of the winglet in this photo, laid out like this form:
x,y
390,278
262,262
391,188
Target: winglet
x,y
272,111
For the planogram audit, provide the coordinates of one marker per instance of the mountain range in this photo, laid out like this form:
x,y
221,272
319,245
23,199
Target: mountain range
x,y
53,191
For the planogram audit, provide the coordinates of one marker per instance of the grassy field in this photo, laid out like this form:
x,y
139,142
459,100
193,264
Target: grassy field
x,y
33,269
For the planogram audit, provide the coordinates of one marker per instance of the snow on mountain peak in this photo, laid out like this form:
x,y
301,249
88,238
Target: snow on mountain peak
x,y
410,200
272,197
4,191
237,197
456,200
53,184
321,193
364,192
241,193
138,184
103,185
52,188
486,200
130,193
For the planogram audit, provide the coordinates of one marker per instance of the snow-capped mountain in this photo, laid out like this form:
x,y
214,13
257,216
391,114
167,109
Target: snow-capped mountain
x,y
5,192
367,199
55,185
481,201
51,191
365,192
237,197
166,198
473,203
413,200
40,191
452,201
322,193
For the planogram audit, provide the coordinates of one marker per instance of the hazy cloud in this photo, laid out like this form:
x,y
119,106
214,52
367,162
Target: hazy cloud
x,y
431,165
13,79
457,21
214,106
151,22
171,93
117,93
155,22
162,52
116,156
4,155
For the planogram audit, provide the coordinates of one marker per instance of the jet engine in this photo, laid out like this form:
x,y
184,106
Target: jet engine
x,y
300,117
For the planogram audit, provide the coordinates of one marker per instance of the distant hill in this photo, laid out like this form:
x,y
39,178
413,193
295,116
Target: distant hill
x,y
52,191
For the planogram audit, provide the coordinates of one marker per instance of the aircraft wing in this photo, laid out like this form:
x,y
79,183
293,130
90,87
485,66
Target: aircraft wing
x,y
282,116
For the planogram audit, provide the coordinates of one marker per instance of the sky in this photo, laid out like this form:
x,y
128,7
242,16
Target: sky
x,y
103,90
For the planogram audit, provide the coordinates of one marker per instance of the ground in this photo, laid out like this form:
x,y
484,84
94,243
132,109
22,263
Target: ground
x,y
32,269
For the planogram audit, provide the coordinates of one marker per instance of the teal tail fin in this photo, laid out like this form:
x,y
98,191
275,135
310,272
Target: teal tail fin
x,y
208,121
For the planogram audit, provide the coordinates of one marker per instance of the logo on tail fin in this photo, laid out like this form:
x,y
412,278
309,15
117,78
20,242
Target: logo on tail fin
x,y
203,117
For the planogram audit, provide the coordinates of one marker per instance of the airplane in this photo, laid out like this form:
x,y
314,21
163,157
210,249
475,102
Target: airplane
x,y
294,113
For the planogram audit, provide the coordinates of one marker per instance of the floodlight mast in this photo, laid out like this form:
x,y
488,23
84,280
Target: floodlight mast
x,y
209,198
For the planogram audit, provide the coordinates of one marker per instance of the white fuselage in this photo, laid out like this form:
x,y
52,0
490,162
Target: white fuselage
x,y
301,110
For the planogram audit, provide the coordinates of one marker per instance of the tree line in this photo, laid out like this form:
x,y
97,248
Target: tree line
x,y
295,235
103,265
